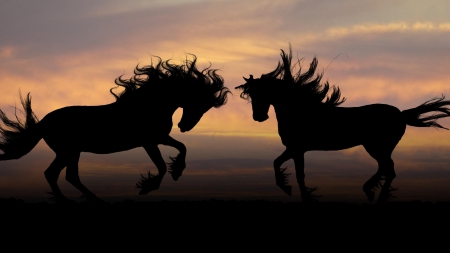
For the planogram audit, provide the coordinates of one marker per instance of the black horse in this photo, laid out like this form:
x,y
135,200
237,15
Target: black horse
x,y
140,117
309,119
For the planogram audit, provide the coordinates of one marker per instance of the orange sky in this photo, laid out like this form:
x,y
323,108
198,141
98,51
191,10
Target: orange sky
x,y
376,52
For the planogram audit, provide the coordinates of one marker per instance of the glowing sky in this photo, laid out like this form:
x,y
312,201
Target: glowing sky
x,y
69,53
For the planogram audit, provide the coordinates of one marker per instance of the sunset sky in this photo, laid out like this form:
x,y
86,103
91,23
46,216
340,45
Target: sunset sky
x,y
69,53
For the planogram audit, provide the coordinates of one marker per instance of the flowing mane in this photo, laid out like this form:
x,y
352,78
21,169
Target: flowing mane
x,y
306,86
166,73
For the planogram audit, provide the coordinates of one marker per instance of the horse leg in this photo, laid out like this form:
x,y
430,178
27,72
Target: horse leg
x,y
52,175
385,171
306,192
371,184
178,163
152,182
387,168
73,178
280,176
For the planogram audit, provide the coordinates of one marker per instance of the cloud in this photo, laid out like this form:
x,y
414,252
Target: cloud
x,y
370,29
7,52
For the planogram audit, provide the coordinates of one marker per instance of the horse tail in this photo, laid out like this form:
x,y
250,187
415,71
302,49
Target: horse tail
x,y
413,117
20,136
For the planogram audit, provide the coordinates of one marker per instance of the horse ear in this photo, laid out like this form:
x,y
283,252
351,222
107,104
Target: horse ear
x,y
249,79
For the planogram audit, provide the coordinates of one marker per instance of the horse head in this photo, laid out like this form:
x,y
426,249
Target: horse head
x,y
198,100
192,113
255,91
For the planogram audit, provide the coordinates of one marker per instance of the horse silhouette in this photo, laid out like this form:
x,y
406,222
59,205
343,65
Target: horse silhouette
x,y
310,119
141,116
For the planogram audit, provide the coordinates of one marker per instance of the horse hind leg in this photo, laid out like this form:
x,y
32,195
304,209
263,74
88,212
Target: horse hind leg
x,y
371,184
52,175
385,172
387,168
73,178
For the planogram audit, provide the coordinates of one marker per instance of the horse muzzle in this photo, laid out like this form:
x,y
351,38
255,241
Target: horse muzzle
x,y
260,118
184,128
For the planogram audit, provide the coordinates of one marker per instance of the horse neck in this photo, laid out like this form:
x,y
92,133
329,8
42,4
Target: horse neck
x,y
288,109
282,109
162,101
283,101
291,110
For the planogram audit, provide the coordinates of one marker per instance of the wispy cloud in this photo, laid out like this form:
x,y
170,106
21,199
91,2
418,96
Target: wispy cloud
x,y
387,28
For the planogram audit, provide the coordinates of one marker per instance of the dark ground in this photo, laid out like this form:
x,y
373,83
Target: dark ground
x,y
244,222
225,211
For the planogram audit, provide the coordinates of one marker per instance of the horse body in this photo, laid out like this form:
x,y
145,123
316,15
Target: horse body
x,y
104,129
337,128
141,117
309,119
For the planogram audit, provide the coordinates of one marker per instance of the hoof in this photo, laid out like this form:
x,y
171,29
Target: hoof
x,y
175,176
61,199
391,194
381,200
148,183
309,200
176,167
370,195
282,180
386,195
287,189
147,190
309,197
92,199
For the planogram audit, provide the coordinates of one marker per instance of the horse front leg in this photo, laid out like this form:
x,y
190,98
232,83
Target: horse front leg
x,y
178,163
280,176
152,182
306,192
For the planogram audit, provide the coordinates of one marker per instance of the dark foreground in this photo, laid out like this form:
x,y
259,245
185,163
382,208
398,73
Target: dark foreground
x,y
224,211
230,220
